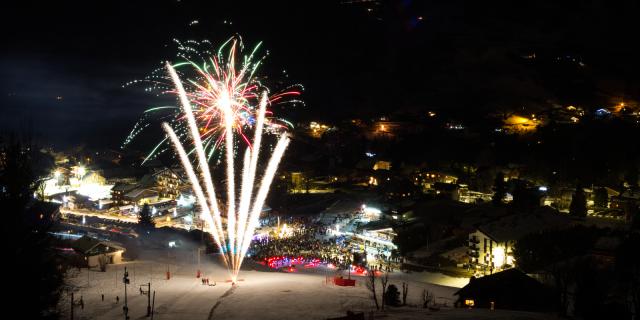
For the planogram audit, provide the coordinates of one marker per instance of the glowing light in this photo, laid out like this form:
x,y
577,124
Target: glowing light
x,y
186,201
95,191
81,171
243,216
372,210
519,124
499,257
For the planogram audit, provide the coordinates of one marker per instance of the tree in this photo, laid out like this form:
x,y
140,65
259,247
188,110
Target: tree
x,y
102,262
145,222
557,253
392,296
578,206
37,271
499,189
384,280
427,298
405,292
628,269
371,286
524,199
631,173
601,198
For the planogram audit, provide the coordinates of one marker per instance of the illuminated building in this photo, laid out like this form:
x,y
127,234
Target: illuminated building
x,y
489,253
316,129
93,250
169,182
297,181
491,245
141,196
427,180
382,165
509,289
385,129
119,191
470,196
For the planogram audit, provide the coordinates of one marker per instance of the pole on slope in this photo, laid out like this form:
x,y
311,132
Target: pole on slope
x,y
153,304
149,300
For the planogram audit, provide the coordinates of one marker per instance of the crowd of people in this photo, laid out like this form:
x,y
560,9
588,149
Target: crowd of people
x,y
307,239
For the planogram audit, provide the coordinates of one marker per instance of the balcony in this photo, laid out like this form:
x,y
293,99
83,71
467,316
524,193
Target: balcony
x,y
473,254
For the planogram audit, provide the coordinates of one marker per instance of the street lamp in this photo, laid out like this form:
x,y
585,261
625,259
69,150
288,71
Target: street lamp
x,y
81,171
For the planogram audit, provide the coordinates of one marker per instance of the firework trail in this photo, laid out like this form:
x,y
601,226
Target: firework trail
x,y
233,242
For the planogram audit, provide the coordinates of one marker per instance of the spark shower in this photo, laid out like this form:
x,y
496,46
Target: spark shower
x,y
242,210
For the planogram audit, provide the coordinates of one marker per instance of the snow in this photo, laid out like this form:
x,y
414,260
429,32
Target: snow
x,y
304,294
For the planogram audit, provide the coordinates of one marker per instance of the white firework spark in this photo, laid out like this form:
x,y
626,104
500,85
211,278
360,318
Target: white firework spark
x,y
242,219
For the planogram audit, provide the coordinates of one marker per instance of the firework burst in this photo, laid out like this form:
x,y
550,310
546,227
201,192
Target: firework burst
x,y
225,75
243,210
221,101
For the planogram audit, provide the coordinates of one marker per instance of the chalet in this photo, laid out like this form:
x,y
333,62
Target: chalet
x,y
141,196
93,250
491,244
169,181
510,289
119,191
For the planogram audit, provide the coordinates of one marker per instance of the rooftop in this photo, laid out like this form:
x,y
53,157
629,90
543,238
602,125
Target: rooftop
x,y
518,225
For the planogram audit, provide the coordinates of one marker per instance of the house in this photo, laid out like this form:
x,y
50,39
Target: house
x,y
427,179
510,289
93,250
491,244
396,188
141,196
470,196
119,190
382,165
627,201
169,181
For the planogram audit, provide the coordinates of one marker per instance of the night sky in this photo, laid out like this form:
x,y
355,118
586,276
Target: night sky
x,y
461,58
